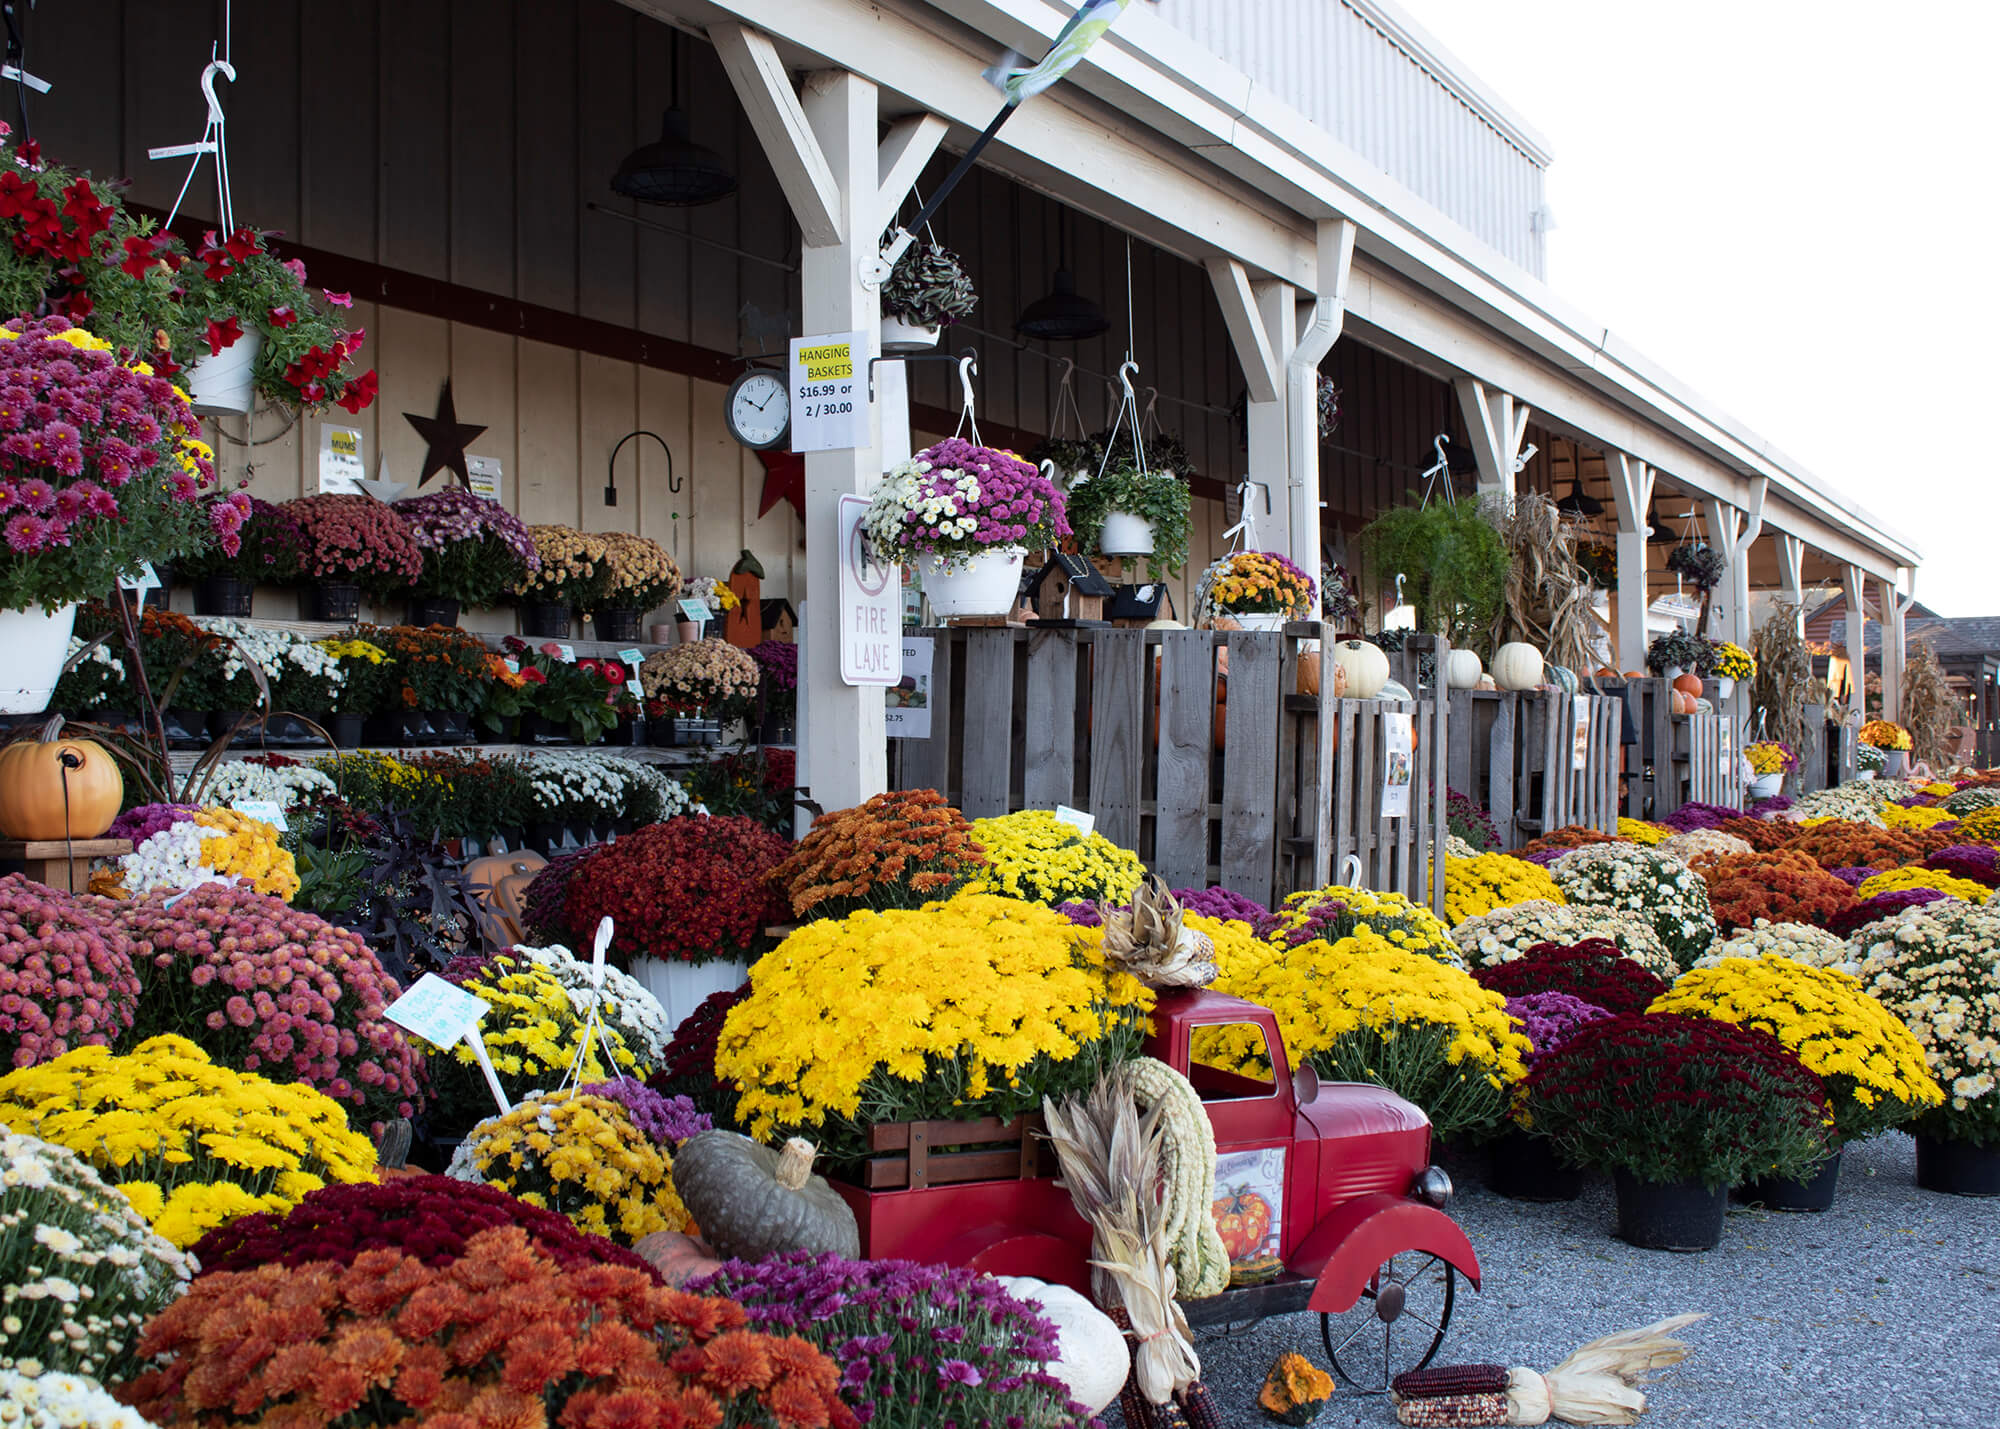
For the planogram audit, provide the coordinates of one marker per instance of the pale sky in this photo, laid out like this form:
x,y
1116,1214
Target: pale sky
x,y
1791,207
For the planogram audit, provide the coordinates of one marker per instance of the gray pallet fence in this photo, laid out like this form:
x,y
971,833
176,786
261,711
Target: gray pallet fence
x,y
1537,760
1682,759
1123,724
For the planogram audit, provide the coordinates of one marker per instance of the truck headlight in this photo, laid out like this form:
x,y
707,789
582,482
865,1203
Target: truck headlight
x,y
1432,1186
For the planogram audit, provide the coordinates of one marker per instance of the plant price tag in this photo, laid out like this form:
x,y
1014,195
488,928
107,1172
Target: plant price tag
x,y
266,809
566,653
444,1015
695,610
1076,818
635,657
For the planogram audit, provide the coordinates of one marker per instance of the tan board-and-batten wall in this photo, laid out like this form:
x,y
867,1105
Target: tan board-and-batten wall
x,y
450,151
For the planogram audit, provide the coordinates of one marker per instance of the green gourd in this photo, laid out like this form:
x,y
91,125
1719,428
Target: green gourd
x,y
752,1201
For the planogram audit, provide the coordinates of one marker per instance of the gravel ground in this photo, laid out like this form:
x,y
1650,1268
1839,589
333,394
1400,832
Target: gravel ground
x,y
1885,1309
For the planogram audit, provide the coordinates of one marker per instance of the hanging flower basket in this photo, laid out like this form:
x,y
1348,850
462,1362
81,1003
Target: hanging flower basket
x,y
37,643
224,385
985,584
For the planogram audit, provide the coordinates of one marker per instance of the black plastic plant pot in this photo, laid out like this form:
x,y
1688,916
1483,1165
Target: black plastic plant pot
x,y
186,729
1814,1193
1526,1168
433,610
238,722
450,727
1678,1216
660,732
1958,1168
224,595
334,600
618,622
544,621
346,729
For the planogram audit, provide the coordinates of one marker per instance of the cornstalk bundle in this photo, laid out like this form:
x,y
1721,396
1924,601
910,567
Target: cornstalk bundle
x,y
1784,677
1548,602
1929,707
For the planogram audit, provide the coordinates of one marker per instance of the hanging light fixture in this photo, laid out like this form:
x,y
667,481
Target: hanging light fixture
x,y
1663,531
676,170
1064,315
1579,503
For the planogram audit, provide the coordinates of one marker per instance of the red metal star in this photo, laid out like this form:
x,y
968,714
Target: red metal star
x,y
784,480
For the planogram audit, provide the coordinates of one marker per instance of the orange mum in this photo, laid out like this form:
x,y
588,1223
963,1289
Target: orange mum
x,y
899,850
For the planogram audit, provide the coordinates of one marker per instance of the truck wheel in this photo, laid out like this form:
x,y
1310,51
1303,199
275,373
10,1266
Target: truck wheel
x,y
1398,1323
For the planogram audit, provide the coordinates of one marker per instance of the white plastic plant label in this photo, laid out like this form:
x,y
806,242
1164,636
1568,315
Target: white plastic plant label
x,y
1076,818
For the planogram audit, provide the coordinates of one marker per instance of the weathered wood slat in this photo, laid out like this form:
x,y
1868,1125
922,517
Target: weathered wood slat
x,y
1812,752
1458,768
1324,734
1500,770
1250,766
926,763
1345,838
989,722
1048,775
1187,724
1118,684
1368,792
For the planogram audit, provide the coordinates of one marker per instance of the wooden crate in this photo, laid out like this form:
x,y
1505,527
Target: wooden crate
x,y
1517,755
59,863
913,1155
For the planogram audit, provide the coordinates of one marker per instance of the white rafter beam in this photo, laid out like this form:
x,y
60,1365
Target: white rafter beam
x,y
1263,365
764,88
906,148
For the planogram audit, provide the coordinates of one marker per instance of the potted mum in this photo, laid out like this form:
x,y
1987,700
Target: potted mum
x,y
96,479
474,551
777,689
439,681
1125,510
271,547
354,545
1892,740
643,577
1770,761
1524,1166
267,333
1259,590
1677,1109
367,678
700,687
572,573
927,290
968,516
1732,663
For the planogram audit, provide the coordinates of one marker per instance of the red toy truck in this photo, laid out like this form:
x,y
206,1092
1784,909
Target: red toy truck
x,y
1327,1200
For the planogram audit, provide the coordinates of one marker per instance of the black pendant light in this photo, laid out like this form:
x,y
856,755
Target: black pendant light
x,y
1663,531
1064,315
676,170
1579,503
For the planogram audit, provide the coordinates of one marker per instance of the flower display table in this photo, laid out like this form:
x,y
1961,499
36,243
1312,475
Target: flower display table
x,y
59,864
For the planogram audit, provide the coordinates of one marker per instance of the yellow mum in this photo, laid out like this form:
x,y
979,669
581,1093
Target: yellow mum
x,y
1476,886
582,1157
1642,832
1895,880
1037,856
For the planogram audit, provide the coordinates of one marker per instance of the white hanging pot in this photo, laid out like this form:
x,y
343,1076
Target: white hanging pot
x,y
1673,672
36,643
1125,535
1894,763
987,584
682,987
1725,686
219,386
899,336
1767,786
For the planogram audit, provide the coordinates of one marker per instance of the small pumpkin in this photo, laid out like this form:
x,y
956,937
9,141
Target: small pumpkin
x,y
1462,669
679,1258
752,1201
1517,666
1689,685
1295,1391
1682,703
1486,683
1308,682
54,788
1561,677
1366,665
1092,1359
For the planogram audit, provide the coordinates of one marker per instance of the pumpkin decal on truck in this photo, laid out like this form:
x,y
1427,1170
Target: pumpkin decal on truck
x,y
1243,1218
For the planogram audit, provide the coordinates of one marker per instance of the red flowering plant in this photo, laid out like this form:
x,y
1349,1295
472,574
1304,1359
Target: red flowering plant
x,y
66,975
1670,1099
1592,971
267,988
270,547
542,903
1840,844
438,667
692,889
100,469
688,1068
237,288
503,1335
1782,887
1763,834
429,1217
356,540
902,849
574,696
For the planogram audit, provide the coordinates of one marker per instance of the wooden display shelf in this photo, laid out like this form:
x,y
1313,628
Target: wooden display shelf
x,y
183,760
59,863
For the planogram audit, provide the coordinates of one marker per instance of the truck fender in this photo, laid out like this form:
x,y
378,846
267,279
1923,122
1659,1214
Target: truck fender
x,y
1009,1250
1351,1241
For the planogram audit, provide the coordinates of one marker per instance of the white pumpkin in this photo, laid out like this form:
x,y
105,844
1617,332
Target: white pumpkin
x,y
1462,670
1091,1355
1366,665
1517,666
1395,690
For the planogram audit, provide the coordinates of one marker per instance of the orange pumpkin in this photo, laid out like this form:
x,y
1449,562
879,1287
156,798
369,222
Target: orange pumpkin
x,y
1689,685
53,788
679,1258
1683,703
1309,672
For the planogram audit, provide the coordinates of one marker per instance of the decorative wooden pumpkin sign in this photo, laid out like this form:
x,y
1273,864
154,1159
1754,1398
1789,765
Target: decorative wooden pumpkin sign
x,y
54,788
744,626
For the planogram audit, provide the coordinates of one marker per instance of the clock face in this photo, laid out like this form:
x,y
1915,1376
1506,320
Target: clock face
x,y
759,410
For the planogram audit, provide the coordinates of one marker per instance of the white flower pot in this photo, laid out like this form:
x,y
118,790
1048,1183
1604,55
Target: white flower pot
x,y
1674,672
1260,620
1767,786
1725,686
36,643
899,336
986,584
1894,763
1125,535
219,386
682,987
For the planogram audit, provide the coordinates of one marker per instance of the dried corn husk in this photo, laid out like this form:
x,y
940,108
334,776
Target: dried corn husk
x,y
1597,1384
1147,940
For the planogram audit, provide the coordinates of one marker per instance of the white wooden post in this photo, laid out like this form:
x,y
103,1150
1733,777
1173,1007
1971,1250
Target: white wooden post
x,y
1732,532
1262,318
1335,242
1632,492
1854,585
1895,639
842,184
1791,577
1497,423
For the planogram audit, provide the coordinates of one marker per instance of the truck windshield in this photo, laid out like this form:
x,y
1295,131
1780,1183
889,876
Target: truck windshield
x,y
1231,1062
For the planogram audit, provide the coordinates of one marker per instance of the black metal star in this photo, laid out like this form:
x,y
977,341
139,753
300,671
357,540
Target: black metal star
x,y
446,438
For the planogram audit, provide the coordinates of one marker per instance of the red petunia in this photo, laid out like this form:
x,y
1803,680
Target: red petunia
x,y
283,316
222,334
360,392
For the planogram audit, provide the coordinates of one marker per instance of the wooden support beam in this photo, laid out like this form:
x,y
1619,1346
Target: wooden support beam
x,y
764,89
1791,577
1497,423
1632,484
1854,585
1263,366
906,148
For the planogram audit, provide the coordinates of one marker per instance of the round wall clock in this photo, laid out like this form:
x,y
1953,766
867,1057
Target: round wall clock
x,y
759,409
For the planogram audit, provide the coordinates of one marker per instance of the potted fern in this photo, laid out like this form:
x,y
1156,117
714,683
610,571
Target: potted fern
x,y
1124,511
928,289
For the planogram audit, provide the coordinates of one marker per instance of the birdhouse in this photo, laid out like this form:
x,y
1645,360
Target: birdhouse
x,y
1068,591
1137,606
744,625
781,622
